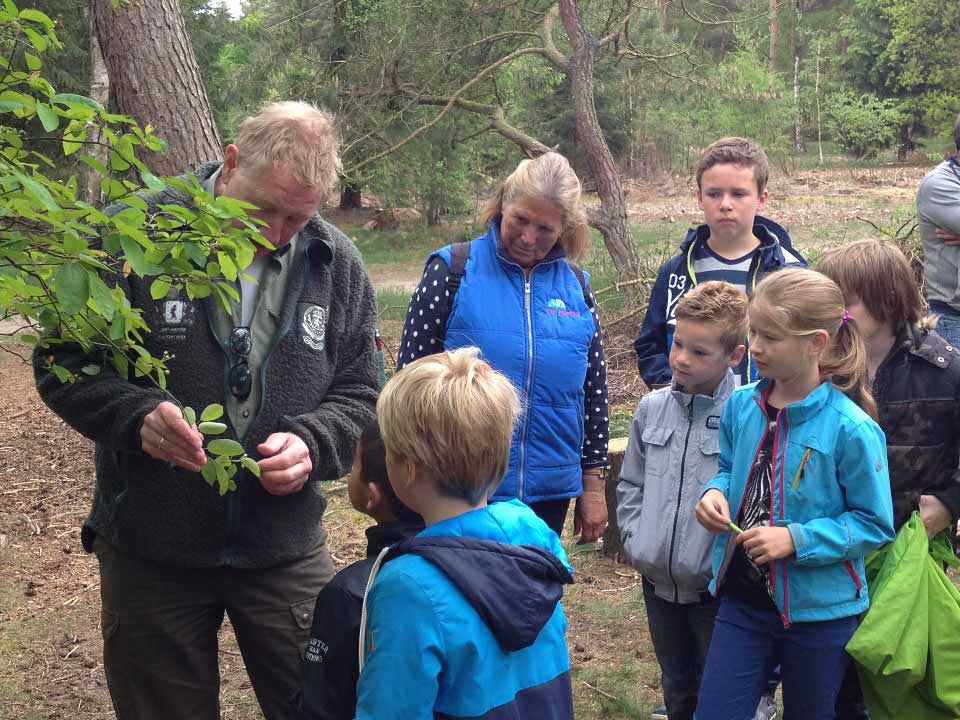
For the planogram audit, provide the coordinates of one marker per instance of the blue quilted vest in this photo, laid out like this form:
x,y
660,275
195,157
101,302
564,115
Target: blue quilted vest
x,y
537,332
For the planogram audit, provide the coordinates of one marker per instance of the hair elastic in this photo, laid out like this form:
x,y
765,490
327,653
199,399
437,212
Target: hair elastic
x,y
846,317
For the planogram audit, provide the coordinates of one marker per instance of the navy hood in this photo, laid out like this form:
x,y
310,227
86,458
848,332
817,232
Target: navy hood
x,y
769,233
514,588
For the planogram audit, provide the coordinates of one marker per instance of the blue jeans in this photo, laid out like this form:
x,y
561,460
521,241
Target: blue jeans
x,y
948,326
681,638
748,643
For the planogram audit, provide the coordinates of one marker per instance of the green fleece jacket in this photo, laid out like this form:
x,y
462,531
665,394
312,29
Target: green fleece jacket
x,y
319,382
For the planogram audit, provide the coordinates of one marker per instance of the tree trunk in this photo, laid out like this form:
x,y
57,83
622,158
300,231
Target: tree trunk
x,y
774,33
99,91
351,197
154,78
795,54
611,219
664,15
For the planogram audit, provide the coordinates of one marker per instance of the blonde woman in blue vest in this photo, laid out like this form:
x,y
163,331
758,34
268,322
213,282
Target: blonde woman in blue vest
x,y
515,293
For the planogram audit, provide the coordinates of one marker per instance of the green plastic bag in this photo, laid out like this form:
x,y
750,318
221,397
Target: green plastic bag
x,y
907,647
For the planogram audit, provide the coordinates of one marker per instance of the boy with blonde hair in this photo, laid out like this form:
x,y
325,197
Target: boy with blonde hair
x,y
464,620
734,244
672,453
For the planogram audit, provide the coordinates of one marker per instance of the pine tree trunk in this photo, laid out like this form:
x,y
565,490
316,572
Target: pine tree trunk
x,y
611,219
154,78
774,32
99,91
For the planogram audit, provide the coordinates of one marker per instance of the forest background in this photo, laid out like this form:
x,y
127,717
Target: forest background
x,y
437,101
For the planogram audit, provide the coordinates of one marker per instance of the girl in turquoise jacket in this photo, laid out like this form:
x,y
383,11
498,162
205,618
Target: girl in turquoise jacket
x,y
805,469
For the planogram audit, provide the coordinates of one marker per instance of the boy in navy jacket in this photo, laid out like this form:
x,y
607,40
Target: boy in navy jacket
x,y
463,621
735,244
330,663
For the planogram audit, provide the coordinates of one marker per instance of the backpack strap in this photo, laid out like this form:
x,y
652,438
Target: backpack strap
x,y
578,271
459,254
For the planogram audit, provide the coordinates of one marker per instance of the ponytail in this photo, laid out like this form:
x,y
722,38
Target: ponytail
x,y
845,365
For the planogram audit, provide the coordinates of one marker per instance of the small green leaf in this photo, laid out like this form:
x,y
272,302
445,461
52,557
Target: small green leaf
x,y
33,62
227,266
222,478
48,117
250,464
197,290
152,181
71,99
72,286
212,412
90,369
36,16
159,288
212,428
209,472
230,448
121,365
190,415
35,38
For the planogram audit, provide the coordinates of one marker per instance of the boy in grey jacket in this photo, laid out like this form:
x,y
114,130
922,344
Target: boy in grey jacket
x,y
672,453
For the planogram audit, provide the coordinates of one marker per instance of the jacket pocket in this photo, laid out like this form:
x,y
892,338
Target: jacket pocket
x,y
302,612
656,442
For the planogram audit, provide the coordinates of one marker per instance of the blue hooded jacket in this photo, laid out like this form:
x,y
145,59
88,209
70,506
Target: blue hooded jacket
x,y
676,278
830,489
465,621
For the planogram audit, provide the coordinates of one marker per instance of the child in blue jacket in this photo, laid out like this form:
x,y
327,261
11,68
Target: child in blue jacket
x,y
806,469
464,620
735,244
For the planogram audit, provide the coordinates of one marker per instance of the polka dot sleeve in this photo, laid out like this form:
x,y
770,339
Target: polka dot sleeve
x,y
426,323
596,421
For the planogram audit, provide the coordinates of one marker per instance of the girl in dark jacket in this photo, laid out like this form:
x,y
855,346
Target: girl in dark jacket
x,y
915,377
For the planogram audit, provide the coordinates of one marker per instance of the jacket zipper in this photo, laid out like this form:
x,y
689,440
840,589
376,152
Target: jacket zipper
x,y
785,615
676,514
743,498
527,302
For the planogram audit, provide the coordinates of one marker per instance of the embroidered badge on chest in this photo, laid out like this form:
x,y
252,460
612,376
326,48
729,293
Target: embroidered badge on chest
x,y
174,312
713,422
313,324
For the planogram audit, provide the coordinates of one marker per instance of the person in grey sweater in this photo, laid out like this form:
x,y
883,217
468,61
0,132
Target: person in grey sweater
x,y
673,451
294,365
938,213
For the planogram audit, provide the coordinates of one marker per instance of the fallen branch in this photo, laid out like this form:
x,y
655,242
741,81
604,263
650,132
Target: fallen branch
x,y
626,283
601,692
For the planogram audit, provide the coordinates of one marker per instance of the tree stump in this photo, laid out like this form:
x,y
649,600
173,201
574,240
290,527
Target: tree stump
x,y
612,545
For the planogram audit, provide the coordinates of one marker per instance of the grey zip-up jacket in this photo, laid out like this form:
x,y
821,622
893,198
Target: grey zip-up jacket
x,y
938,206
673,452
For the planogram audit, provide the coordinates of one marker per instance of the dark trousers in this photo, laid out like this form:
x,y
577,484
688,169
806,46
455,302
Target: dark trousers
x,y
747,644
681,637
160,624
553,513
850,702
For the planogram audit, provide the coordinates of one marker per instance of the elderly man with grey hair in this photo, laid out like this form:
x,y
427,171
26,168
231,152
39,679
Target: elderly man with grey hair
x,y
938,212
294,365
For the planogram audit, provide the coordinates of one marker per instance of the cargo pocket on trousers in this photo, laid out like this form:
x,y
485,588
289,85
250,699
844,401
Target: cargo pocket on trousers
x,y
302,612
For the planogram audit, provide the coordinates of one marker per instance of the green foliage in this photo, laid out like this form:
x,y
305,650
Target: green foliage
x,y
906,50
63,262
861,125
